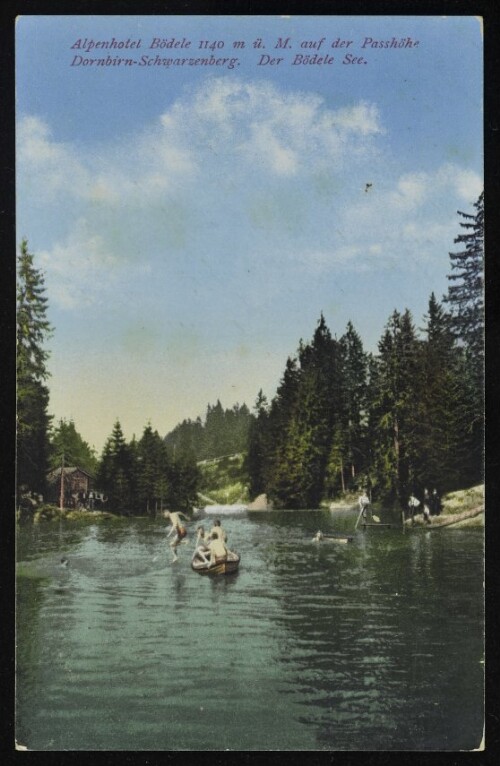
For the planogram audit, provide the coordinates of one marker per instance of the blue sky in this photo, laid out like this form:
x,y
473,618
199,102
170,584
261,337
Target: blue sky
x,y
192,222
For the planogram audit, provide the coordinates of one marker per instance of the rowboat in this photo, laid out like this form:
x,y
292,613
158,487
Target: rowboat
x,y
228,565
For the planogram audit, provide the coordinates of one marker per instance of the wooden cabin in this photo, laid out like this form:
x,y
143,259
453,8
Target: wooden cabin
x,y
78,488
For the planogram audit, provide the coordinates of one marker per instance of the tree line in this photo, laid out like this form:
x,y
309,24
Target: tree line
x,y
408,416
224,432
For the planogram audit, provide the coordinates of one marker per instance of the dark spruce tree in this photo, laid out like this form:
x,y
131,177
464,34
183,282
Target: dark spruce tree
x,y
393,416
301,423
441,441
33,420
152,472
349,458
465,291
278,481
256,458
117,472
67,445
466,300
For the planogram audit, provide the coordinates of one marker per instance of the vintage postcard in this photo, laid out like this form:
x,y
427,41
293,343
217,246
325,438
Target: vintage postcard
x,y
250,498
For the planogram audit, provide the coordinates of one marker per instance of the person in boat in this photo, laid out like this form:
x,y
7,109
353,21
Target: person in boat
x,y
218,551
217,532
363,502
202,548
178,528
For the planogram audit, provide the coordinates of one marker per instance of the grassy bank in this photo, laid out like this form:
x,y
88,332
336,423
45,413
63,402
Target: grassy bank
x,y
224,480
48,512
463,508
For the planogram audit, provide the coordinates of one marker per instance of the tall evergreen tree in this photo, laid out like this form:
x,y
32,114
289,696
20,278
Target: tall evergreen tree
x,y
466,300
392,419
301,422
117,472
68,445
353,375
256,459
438,436
152,482
281,413
33,420
465,292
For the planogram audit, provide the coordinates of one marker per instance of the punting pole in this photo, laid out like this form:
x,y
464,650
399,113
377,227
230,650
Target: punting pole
x,y
357,520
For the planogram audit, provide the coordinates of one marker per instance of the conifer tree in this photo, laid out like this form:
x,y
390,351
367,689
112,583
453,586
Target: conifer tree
x,y
353,411
438,439
152,484
117,472
301,422
256,459
68,445
465,292
33,420
393,419
466,300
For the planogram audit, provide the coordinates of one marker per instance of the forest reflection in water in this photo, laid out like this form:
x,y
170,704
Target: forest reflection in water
x,y
373,645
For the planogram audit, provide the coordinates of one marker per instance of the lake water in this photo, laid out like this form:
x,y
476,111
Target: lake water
x,y
373,645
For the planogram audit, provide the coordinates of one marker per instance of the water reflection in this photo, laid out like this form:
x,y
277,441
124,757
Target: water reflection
x,y
307,646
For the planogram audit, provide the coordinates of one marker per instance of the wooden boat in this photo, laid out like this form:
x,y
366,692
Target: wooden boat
x,y
230,564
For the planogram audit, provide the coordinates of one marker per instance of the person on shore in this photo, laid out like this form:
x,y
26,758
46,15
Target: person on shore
x,y
413,504
177,527
427,506
435,503
202,548
364,503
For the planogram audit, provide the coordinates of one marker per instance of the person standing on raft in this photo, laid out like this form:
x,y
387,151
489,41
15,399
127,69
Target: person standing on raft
x,y
364,503
177,527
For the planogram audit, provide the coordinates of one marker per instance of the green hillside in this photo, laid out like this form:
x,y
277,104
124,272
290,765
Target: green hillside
x,y
224,480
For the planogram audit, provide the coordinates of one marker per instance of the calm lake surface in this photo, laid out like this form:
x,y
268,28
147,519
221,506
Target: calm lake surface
x,y
373,645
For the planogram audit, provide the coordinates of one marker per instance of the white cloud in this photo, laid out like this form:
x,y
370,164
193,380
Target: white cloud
x,y
80,269
51,168
227,174
466,183
411,190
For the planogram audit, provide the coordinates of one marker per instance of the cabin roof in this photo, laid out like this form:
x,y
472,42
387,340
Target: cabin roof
x,y
67,470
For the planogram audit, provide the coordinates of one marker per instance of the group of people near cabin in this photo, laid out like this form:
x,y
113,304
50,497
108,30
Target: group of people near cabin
x,y
211,546
431,505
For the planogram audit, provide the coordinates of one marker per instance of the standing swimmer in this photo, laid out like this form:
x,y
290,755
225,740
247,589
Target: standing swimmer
x,y
178,528
364,503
